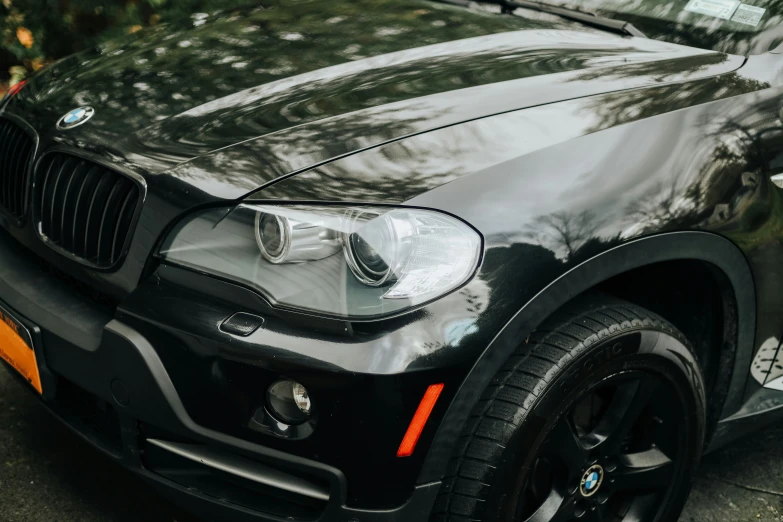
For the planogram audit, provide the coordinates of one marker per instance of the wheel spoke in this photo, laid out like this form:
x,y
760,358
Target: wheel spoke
x,y
593,515
598,463
641,508
649,470
627,405
564,442
554,509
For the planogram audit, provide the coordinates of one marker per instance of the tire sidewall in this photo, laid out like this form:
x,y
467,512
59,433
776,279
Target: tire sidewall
x,y
647,349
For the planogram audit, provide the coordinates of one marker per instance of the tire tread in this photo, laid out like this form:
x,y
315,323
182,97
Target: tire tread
x,y
515,389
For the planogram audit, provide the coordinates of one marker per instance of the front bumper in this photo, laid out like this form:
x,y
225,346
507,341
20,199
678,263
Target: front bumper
x,y
106,380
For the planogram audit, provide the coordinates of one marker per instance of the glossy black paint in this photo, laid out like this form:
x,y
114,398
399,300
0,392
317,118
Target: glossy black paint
x,y
578,155
673,21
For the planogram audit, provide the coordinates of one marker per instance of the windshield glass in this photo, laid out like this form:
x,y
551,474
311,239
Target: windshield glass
x,y
731,26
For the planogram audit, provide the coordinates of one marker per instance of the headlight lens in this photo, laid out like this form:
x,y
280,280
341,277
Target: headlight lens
x,y
393,258
369,252
271,235
284,239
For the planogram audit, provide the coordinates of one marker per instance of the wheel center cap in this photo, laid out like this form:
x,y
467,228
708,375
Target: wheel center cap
x,y
591,480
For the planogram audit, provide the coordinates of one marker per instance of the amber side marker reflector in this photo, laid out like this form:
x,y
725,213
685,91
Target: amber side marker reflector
x,y
419,420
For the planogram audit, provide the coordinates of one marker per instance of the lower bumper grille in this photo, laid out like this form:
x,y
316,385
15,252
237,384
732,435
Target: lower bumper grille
x,y
90,416
16,154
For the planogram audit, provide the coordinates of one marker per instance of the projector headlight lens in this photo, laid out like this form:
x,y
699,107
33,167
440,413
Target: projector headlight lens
x,y
370,251
393,258
288,240
272,236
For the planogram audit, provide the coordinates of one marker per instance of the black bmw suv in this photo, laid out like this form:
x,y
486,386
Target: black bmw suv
x,y
405,260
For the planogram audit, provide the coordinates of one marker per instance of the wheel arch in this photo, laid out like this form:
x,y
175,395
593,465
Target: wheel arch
x,y
725,257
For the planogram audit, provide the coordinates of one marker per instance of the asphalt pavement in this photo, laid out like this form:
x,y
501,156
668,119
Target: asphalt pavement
x,y
47,474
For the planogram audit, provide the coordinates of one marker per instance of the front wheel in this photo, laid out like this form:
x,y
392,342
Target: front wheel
x,y
599,416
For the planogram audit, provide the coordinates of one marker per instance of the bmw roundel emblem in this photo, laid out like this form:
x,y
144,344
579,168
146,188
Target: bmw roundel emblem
x,y
75,118
591,480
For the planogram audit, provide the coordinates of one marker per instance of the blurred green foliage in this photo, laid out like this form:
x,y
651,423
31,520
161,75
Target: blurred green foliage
x,y
36,32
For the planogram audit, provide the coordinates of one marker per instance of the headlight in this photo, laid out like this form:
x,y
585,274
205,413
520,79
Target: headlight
x,y
392,258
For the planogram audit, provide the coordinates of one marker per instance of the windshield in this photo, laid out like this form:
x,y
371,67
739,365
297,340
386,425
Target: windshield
x,y
731,26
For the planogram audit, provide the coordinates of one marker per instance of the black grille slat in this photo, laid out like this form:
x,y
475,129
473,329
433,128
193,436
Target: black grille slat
x,y
82,209
92,230
51,228
123,224
65,240
46,190
69,206
16,154
13,160
7,169
110,211
85,209
5,150
8,184
22,166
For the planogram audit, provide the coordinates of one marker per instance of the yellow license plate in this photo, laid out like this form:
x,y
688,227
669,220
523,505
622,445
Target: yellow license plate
x,y
16,348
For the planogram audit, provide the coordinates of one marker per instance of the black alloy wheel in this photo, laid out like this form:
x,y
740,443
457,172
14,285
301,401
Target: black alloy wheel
x,y
611,458
598,417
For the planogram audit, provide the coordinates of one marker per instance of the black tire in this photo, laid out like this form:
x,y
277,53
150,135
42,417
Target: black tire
x,y
515,460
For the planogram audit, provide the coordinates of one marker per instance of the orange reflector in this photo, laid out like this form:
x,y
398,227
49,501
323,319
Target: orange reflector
x,y
419,420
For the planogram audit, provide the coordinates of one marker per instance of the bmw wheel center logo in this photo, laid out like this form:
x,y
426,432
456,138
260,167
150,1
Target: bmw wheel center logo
x,y
75,118
591,480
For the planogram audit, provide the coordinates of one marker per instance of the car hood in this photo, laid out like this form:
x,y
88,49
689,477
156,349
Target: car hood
x,y
235,101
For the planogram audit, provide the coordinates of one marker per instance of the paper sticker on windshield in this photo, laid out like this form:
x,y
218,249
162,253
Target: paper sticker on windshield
x,y
717,8
748,15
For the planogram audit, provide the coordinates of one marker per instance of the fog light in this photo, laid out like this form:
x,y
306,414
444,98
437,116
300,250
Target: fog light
x,y
289,402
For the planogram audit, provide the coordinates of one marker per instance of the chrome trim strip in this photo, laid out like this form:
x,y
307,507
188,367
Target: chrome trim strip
x,y
244,468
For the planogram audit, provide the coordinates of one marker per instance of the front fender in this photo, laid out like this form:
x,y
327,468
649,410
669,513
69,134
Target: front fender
x,y
702,246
